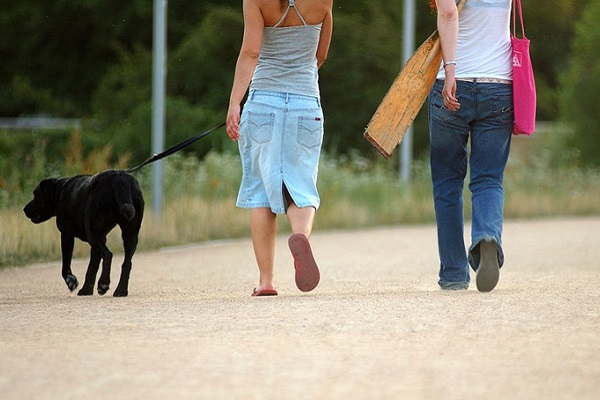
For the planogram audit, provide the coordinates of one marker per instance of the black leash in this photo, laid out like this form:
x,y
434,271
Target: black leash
x,y
176,148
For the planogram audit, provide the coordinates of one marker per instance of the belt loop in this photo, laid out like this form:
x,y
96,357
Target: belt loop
x,y
287,98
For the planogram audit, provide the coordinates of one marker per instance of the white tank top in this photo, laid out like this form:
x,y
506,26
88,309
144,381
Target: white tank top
x,y
483,48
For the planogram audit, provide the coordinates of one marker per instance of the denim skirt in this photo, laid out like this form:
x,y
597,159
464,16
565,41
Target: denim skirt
x,y
281,135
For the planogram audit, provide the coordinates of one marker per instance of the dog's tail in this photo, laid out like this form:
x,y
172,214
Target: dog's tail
x,y
123,195
128,211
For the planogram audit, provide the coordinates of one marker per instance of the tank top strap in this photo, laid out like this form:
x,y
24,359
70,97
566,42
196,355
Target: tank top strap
x,y
291,4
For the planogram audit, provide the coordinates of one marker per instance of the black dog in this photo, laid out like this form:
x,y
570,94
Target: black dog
x,y
89,207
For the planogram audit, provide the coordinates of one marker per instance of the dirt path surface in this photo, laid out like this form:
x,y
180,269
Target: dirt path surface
x,y
377,327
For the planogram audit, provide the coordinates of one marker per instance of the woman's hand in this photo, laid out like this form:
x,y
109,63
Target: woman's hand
x,y
232,122
449,93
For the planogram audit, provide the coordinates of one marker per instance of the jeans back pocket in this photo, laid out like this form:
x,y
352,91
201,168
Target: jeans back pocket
x,y
260,126
310,131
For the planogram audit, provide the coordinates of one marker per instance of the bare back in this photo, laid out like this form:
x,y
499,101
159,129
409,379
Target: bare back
x,y
314,12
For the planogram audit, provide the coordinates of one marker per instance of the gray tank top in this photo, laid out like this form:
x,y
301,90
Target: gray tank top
x,y
288,60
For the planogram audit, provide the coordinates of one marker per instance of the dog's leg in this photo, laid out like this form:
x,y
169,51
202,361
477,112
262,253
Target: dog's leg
x,y
104,281
67,242
130,241
92,271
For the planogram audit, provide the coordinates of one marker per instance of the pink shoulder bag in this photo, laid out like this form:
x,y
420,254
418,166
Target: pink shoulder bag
x,y
524,96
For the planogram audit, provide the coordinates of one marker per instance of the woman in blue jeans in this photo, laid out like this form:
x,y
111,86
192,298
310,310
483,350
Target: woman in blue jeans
x,y
471,102
280,130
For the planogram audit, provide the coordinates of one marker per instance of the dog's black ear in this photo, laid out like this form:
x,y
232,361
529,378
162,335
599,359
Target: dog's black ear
x,y
50,182
47,191
48,185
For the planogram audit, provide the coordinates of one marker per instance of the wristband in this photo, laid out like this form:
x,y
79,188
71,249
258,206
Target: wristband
x,y
449,63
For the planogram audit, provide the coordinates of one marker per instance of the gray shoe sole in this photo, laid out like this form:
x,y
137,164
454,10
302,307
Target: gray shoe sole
x,y
488,271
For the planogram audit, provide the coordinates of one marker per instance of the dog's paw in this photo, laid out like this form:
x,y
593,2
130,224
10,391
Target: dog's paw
x,y
85,291
72,282
120,292
102,288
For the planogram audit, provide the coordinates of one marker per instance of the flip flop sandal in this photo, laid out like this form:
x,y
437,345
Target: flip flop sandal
x,y
307,272
264,292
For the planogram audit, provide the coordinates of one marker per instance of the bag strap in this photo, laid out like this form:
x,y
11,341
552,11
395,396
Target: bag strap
x,y
515,4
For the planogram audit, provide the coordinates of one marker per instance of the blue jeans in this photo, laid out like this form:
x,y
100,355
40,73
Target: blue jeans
x,y
486,117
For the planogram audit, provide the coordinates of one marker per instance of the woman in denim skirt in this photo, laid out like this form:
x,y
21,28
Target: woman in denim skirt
x,y
471,101
280,130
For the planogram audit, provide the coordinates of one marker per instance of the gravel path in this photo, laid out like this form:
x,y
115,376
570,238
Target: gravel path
x,y
377,327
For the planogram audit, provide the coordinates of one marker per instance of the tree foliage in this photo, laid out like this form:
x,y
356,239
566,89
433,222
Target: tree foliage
x,y
549,25
581,89
93,60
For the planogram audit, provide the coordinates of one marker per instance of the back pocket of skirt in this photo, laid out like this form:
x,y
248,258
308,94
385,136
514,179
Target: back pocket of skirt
x,y
310,131
260,126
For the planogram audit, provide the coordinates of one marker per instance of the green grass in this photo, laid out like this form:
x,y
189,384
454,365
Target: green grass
x,y
199,201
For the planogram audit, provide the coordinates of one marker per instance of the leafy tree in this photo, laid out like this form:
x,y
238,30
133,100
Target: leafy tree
x,y
62,48
55,52
200,73
364,58
549,26
201,68
125,85
93,59
581,89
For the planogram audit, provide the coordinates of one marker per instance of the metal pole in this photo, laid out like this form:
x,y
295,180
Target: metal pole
x,y
158,99
407,51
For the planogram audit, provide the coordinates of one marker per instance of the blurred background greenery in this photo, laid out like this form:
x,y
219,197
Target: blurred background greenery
x,y
92,62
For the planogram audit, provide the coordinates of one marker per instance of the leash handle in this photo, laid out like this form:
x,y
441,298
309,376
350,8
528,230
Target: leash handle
x,y
176,148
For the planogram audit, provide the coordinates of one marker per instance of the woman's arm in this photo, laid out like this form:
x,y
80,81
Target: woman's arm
x,y
325,39
246,63
447,24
